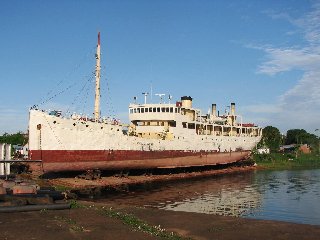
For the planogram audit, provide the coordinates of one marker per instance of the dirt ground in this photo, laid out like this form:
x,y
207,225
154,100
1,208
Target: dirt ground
x,y
89,223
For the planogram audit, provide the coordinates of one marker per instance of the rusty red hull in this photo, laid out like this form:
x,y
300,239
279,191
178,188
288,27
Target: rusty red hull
x,y
81,160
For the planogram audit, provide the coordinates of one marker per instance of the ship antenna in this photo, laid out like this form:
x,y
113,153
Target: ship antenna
x,y
97,96
160,95
151,92
145,97
170,97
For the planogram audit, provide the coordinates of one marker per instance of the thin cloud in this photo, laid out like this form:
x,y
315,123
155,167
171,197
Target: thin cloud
x,y
262,108
310,24
286,59
298,107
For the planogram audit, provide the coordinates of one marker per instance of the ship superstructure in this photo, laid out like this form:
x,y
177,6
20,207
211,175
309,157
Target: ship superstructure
x,y
179,120
160,135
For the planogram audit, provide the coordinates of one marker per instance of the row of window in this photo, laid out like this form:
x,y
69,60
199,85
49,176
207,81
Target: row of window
x,y
154,109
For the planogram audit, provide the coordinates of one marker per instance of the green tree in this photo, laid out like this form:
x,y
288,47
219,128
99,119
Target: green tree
x,y
15,139
296,136
271,138
301,136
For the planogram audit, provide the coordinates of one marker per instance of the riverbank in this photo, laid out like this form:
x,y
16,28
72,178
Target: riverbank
x,y
117,182
116,219
114,222
282,161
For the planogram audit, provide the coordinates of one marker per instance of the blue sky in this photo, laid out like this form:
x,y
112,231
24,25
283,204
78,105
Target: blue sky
x,y
263,55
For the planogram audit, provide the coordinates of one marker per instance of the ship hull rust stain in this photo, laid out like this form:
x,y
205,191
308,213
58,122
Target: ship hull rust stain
x,y
73,160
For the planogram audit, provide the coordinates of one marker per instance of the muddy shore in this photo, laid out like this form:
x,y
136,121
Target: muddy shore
x,y
91,222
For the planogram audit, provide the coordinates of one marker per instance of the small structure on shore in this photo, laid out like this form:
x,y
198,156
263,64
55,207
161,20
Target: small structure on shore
x,y
304,148
263,150
20,151
5,155
20,195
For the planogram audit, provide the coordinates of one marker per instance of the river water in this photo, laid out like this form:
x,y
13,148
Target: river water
x,y
292,196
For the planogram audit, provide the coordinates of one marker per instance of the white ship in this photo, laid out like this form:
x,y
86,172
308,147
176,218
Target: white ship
x,y
159,136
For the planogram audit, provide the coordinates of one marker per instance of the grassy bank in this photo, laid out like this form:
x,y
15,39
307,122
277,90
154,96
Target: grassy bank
x,y
128,219
287,160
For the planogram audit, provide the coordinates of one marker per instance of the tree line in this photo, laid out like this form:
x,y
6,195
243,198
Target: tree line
x,y
272,138
18,138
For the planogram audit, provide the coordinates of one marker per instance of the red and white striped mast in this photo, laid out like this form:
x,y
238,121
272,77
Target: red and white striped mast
x,y
97,96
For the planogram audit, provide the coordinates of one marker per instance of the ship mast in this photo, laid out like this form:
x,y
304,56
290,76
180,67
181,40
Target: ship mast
x,y
97,96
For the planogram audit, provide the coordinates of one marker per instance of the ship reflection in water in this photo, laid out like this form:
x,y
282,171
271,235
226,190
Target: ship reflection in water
x,y
230,195
226,202
291,196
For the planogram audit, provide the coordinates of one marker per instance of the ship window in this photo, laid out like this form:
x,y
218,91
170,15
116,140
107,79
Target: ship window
x,y
135,110
142,110
173,124
184,125
150,109
158,109
138,110
131,110
163,109
167,109
146,109
171,110
154,109
176,110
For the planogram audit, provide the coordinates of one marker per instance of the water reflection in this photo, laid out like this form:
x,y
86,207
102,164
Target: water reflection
x,y
289,196
230,195
276,195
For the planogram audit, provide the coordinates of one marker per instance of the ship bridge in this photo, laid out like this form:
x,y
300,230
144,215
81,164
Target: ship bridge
x,y
154,120
153,112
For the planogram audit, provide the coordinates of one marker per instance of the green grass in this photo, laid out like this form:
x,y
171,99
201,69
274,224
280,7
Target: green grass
x,y
73,225
74,204
138,225
132,221
287,160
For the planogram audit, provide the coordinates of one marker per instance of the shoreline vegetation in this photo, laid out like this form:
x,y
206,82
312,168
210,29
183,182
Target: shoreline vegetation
x,y
284,161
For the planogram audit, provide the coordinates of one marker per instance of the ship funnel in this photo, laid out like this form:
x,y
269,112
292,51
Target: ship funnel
x,y
186,102
214,109
233,109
